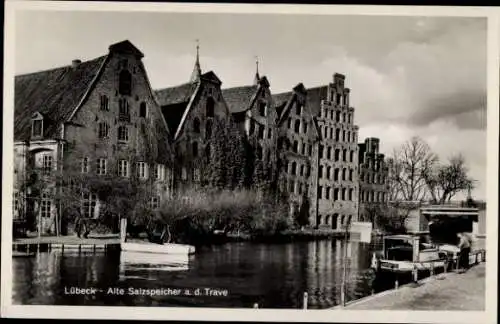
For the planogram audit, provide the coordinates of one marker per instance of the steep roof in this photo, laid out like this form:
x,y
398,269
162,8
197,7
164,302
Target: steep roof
x,y
314,97
175,95
280,101
239,99
54,93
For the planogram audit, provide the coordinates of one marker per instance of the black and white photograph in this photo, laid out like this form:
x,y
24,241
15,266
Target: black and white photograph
x,y
185,158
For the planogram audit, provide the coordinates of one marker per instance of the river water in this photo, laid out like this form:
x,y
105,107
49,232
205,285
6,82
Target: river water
x,y
228,275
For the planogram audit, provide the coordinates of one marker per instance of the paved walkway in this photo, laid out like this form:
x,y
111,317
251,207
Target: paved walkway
x,y
464,291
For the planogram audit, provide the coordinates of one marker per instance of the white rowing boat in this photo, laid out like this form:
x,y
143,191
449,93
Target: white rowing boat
x,y
167,248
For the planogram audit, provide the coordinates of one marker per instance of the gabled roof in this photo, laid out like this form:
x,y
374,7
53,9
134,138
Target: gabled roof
x,y
175,95
314,97
126,47
280,101
239,99
211,77
54,93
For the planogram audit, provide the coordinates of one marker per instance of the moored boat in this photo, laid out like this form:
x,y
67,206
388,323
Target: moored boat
x,y
166,248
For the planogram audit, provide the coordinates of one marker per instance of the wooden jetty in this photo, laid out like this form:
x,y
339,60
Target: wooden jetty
x,y
73,243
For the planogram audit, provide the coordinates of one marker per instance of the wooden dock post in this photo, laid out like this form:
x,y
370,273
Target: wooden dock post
x,y
255,305
396,284
432,269
123,229
304,300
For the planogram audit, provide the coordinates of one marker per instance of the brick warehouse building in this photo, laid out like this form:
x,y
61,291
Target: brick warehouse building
x,y
103,116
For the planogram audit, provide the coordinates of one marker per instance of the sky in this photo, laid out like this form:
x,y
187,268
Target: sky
x,y
423,76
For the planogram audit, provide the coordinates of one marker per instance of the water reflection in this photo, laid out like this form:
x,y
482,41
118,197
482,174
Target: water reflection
x,y
273,275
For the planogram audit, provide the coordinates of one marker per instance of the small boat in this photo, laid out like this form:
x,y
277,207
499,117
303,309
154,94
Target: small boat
x,y
166,248
400,255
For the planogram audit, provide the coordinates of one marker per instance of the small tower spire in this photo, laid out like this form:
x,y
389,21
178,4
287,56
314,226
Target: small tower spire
x,y
257,77
195,76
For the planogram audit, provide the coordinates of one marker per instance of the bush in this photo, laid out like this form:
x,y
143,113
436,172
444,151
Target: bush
x,y
196,214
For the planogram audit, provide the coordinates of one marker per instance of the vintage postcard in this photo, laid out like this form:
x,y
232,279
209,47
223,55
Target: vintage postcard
x,y
250,162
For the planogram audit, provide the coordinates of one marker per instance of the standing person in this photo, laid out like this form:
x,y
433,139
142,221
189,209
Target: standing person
x,y
464,247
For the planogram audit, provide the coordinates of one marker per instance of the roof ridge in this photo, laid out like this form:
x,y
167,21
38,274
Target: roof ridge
x,y
60,67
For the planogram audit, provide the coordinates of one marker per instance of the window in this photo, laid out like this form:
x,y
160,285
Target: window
x,y
196,125
331,114
300,188
337,155
269,133
297,126
210,107
343,118
343,193
208,129
196,174
310,150
339,98
326,132
294,168
155,202
304,149
320,192
337,134
101,166
349,118
321,151
331,132
304,127
343,136
336,194
289,122
123,110
125,83
343,174
362,176
328,172
261,130
142,170
348,136
160,172
336,174
123,133
47,164
104,103
351,156
337,116
344,155
327,193
350,193
320,171
103,130
143,110
295,147
298,110
123,170
16,204
329,153
262,108
89,203
302,170
45,206
350,174
195,149
85,165
37,128
308,171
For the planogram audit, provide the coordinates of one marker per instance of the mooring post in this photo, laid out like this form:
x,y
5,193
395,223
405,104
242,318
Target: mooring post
x,y
255,305
123,229
432,269
305,300
396,284
415,273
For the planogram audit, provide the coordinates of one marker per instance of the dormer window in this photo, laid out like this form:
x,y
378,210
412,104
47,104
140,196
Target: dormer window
x,y
37,125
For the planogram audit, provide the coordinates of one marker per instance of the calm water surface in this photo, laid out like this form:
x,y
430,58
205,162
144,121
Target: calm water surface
x,y
272,275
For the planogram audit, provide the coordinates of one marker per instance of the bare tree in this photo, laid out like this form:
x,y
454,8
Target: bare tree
x,y
407,169
446,180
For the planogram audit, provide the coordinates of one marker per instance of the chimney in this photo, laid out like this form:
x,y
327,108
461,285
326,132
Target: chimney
x,y
75,63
